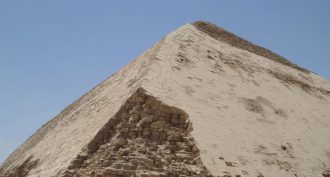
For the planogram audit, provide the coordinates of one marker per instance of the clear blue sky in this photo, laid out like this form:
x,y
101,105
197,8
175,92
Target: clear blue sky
x,y
52,52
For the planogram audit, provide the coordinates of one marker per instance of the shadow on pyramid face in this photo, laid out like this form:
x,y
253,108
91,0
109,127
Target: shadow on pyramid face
x,y
146,137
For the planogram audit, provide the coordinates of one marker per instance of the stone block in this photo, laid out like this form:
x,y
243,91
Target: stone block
x,y
146,119
174,136
116,166
157,125
147,111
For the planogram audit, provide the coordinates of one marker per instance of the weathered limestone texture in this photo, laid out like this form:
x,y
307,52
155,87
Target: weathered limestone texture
x,y
201,102
145,138
22,170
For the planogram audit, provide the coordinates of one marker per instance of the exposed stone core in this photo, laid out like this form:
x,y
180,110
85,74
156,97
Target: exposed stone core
x,y
145,138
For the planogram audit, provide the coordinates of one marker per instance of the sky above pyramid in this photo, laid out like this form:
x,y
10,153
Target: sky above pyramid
x,y
53,52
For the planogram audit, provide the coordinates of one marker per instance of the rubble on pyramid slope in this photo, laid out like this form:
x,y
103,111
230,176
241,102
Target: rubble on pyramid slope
x,y
144,137
250,113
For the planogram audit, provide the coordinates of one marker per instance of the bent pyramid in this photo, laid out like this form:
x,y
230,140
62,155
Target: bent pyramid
x,y
201,102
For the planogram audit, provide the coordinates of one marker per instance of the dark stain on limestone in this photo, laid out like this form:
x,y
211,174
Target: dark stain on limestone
x,y
145,138
272,159
261,149
253,105
260,175
326,173
183,60
236,63
188,90
289,80
230,164
258,104
230,38
215,63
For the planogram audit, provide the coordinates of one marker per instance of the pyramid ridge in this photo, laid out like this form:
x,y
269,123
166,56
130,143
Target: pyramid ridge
x,y
219,33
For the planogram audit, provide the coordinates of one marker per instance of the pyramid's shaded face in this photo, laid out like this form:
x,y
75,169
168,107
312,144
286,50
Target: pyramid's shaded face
x,y
202,102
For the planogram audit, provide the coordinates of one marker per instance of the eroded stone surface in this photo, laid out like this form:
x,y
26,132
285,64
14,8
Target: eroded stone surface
x,y
145,138
22,170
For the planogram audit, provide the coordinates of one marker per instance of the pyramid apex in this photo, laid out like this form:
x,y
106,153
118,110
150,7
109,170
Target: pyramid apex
x,y
219,33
